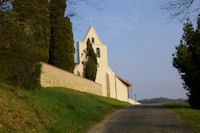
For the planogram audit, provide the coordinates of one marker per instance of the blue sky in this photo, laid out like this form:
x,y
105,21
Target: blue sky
x,y
140,40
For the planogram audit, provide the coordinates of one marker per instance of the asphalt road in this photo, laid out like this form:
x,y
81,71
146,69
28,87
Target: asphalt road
x,y
141,119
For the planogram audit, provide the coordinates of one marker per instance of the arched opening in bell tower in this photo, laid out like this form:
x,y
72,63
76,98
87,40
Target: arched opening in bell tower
x,y
98,52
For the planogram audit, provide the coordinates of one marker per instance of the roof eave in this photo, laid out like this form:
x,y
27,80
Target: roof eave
x,y
124,81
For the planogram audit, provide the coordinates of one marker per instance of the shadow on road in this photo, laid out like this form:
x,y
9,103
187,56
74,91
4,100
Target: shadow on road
x,y
146,118
147,106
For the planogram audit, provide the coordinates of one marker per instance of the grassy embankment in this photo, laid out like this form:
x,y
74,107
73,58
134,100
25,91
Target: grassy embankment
x,y
190,117
51,110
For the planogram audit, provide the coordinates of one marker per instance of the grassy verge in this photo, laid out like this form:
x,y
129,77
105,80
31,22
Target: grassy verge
x,y
190,117
51,110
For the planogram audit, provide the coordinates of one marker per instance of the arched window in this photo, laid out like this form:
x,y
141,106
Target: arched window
x,y
88,41
98,52
93,41
79,73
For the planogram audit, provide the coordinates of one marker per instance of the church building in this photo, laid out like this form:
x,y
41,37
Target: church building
x,y
112,85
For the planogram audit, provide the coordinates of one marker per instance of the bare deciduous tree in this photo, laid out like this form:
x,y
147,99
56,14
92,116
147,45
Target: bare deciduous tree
x,y
72,10
182,8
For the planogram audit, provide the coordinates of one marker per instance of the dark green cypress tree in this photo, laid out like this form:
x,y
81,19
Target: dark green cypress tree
x,y
91,64
34,18
24,36
187,61
44,26
62,50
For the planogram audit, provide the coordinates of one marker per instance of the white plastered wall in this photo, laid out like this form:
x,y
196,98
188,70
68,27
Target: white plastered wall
x,y
102,68
122,91
117,88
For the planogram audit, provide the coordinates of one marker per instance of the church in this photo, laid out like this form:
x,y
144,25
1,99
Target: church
x,y
113,86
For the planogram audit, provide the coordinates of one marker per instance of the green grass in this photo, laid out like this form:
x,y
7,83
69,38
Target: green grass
x,y
53,110
190,117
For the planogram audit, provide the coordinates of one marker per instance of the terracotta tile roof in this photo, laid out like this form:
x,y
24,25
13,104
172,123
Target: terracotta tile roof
x,y
124,81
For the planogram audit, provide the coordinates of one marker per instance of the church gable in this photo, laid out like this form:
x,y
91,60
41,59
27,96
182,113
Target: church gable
x,y
112,85
92,35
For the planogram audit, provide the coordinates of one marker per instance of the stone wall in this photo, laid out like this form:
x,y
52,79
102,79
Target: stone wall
x,y
52,76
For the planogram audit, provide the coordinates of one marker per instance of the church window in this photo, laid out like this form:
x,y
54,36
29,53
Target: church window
x,y
93,41
88,41
98,52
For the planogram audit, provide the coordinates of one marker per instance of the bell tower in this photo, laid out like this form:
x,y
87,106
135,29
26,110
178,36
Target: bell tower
x,y
99,48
